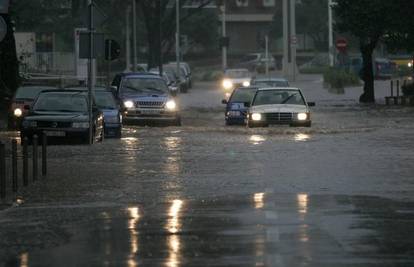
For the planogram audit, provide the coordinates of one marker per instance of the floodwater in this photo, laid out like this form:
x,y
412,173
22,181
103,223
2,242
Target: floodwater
x,y
337,194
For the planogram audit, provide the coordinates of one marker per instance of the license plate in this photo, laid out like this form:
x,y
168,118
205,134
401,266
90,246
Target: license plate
x,y
150,111
55,133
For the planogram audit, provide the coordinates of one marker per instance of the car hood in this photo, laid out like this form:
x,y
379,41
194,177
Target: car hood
x,y
279,108
57,116
110,112
240,80
237,106
147,97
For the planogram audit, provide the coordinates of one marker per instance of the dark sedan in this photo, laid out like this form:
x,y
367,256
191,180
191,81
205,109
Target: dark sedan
x,y
238,105
62,115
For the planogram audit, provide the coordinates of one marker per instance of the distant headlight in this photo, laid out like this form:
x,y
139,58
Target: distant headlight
x,y
129,104
27,124
246,83
410,64
171,105
18,112
256,116
227,84
302,116
80,125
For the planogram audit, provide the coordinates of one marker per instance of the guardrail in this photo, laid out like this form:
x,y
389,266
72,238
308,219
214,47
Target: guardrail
x,y
397,98
12,183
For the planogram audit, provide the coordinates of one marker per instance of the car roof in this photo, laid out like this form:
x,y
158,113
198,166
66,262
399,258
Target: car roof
x,y
240,69
96,88
278,88
247,88
137,74
270,80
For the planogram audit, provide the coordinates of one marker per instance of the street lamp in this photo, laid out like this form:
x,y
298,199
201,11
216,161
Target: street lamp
x,y
134,35
331,48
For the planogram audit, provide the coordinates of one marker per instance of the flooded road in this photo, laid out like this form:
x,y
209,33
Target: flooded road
x,y
337,194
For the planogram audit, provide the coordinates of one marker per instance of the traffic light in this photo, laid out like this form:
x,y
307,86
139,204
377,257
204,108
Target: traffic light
x,y
112,49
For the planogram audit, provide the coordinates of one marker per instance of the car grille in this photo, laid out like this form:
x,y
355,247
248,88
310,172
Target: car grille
x,y
54,124
279,117
150,104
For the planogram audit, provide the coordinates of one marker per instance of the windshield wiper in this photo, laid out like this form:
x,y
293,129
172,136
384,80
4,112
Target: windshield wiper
x,y
155,89
133,88
288,98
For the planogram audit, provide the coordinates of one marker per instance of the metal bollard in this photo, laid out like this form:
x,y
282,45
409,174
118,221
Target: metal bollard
x,y
14,166
392,88
35,155
2,171
44,154
25,162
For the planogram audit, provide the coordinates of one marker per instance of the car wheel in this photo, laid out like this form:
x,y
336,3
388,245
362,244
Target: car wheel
x,y
177,122
183,89
251,125
118,133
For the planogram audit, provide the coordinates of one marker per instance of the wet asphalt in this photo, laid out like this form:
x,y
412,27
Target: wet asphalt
x,y
337,194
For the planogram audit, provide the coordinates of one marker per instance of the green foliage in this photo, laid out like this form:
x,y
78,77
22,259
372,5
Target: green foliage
x,y
338,78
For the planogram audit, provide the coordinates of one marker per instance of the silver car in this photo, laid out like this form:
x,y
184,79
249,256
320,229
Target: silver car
x,y
279,105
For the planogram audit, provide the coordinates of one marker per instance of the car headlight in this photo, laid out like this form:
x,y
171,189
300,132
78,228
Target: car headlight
x,y
129,104
256,116
171,105
302,116
18,112
246,83
227,84
410,64
27,124
80,125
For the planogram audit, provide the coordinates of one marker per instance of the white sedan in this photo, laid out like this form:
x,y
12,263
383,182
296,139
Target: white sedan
x,y
279,106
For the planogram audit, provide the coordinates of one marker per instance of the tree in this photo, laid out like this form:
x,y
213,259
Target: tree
x,y
9,68
369,21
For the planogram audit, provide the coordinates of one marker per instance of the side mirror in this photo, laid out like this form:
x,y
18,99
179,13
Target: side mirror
x,y
247,104
26,107
311,104
224,101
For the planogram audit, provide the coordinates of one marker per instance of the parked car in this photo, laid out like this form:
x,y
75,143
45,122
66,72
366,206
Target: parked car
x,y
383,68
25,95
169,79
110,108
62,115
187,69
146,99
234,78
257,61
270,82
279,106
238,105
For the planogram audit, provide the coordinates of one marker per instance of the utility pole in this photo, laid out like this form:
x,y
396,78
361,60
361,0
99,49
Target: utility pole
x,y
134,34
330,22
289,39
223,27
177,39
267,54
91,69
127,42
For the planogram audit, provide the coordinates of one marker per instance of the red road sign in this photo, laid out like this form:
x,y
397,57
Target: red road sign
x,y
341,44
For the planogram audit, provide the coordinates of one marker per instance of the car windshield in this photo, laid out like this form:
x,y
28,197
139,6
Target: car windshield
x,y
237,74
249,57
271,84
62,102
105,100
141,85
271,97
243,95
29,92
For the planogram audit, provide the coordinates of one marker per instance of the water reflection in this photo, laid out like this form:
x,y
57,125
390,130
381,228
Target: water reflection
x,y
302,137
172,142
24,260
173,227
259,200
257,139
302,200
132,225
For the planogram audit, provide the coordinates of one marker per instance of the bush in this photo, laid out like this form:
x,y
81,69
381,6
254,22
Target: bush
x,y
408,89
338,78
313,70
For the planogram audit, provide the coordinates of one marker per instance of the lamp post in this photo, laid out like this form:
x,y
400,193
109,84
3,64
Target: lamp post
x,y
223,29
289,39
127,41
91,85
177,39
330,22
134,35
